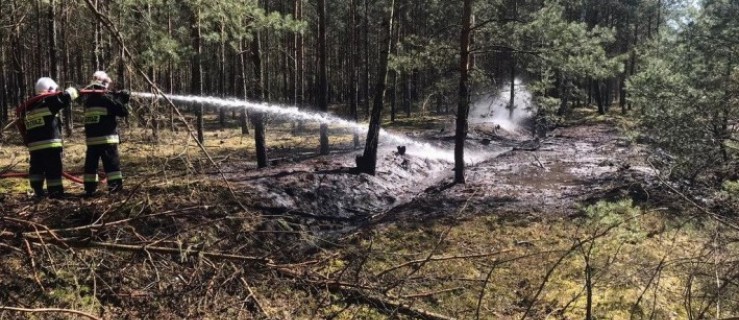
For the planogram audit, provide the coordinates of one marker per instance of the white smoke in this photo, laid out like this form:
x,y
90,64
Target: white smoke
x,y
494,108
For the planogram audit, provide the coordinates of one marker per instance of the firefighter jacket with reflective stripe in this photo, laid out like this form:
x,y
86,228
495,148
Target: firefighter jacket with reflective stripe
x,y
101,110
43,127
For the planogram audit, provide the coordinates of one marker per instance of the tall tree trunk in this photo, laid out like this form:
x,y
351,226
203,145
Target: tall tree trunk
x,y
407,95
463,107
54,67
197,69
222,76
353,63
598,95
3,88
38,53
394,74
564,95
512,100
97,39
632,58
19,59
244,87
367,163
257,118
266,67
299,66
322,73
393,94
366,82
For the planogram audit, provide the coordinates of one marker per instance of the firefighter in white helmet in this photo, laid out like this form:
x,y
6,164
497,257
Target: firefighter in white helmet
x,y
102,107
41,129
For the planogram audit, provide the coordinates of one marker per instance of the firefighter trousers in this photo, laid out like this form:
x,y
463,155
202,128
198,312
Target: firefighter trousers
x,y
108,153
46,164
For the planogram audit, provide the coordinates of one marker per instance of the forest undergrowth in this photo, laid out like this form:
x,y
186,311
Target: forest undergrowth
x,y
181,243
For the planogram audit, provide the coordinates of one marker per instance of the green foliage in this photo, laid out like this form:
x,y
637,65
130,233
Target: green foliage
x,y
687,90
565,50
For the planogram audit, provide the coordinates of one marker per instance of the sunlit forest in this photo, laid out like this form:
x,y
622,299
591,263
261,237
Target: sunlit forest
x,y
369,159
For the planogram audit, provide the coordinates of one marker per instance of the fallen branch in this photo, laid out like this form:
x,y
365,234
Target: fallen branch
x,y
49,310
145,248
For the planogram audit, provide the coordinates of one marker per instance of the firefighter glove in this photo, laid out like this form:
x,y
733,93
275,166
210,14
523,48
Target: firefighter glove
x,y
72,92
124,95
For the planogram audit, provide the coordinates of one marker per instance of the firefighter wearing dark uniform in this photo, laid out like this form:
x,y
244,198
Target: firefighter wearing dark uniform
x,y
101,109
40,117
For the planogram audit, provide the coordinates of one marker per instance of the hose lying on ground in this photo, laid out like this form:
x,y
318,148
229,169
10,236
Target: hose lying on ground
x,y
67,175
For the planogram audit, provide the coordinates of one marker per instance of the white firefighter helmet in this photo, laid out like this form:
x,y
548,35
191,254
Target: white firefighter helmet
x,y
44,85
100,78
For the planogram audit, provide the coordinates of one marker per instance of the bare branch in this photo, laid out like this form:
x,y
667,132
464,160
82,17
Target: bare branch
x,y
49,310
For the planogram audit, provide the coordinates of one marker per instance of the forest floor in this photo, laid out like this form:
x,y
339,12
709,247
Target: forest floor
x,y
542,227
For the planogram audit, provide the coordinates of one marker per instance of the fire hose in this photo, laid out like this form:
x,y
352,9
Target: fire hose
x,y
20,110
65,174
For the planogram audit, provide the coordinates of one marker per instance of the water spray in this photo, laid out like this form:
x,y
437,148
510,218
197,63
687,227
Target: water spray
x,y
416,148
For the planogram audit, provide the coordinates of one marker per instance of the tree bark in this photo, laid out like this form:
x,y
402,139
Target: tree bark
x,y
353,63
222,76
299,57
366,82
322,73
257,118
244,88
367,163
463,107
197,69
3,89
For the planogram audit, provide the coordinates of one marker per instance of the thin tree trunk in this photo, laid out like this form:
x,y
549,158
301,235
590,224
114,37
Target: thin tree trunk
x,y
367,163
299,66
464,92
38,53
353,63
322,73
257,119
632,63
3,88
407,93
393,94
197,70
598,95
266,67
97,36
244,88
365,84
222,76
